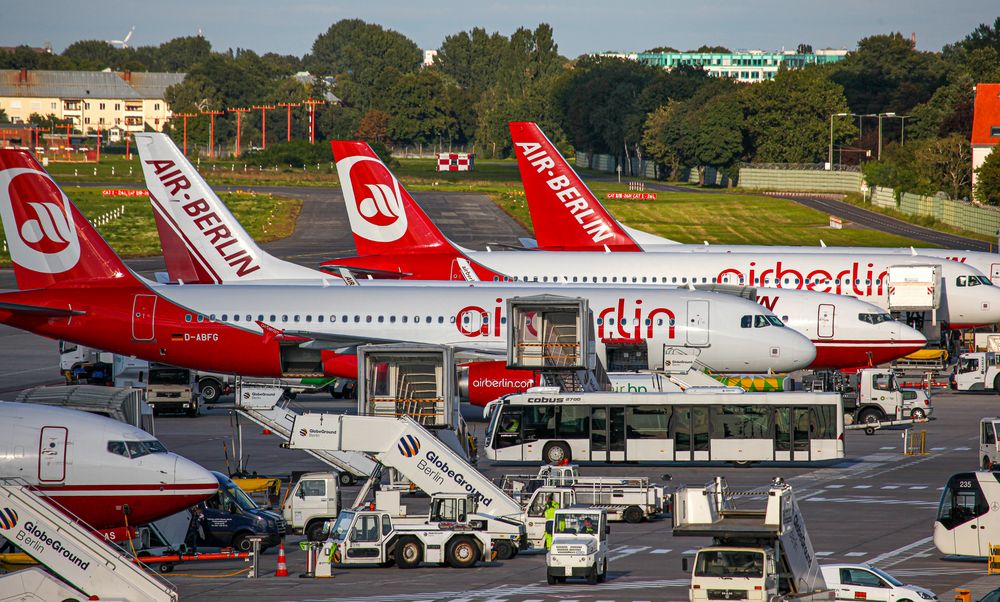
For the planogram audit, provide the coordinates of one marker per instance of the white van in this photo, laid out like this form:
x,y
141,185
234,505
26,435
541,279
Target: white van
x,y
865,582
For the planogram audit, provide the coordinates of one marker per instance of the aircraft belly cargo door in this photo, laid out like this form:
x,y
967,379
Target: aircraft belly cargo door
x,y
52,454
825,320
143,312
697,323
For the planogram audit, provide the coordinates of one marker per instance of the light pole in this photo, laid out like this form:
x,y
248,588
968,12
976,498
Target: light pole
x,y
902,129
830,156
902,118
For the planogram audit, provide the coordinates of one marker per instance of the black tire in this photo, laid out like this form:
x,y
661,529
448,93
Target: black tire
x,y
504,549
409,553
314,530
870,416
918,414
165,568
592,575
211,390
556,452
345,479
462,553
996,384
603,576
241,543
551,579
191,412
632,514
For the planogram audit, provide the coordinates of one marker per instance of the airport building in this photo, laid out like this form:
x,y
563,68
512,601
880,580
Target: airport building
x,y
985,125
114,102
745,66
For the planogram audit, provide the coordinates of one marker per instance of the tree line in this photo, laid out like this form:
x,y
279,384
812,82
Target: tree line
x,y
681,118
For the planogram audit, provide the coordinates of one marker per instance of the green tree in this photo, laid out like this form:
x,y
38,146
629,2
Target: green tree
x,y
374,126
654,140
719,139
788,118
470,58
988,180
95,55
711,49
421,110
945,164
374,57
983,36
47,122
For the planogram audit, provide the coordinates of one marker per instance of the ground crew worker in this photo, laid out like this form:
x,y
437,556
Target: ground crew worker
x,y
551,505
588,526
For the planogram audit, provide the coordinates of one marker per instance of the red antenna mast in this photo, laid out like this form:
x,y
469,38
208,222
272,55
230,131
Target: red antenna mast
x,y
289,106
312,117
239,122
263,122
185,116
211,131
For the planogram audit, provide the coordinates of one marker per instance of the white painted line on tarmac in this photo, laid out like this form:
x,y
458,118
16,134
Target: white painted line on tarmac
x,y
689,552
899,551
661,551
862,486
890,487
834,487
919,487
963,449
887,447
856,554
938,448
824,553
628,552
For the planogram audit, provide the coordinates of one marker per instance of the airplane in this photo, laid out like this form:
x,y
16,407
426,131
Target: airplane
x,y
94,466
391,239
847,332
73,287
561,226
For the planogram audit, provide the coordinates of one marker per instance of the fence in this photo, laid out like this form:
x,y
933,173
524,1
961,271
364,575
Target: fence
x,y
960,214
800,180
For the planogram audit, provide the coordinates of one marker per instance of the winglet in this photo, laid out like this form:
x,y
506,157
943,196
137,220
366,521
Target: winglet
x,y
565,213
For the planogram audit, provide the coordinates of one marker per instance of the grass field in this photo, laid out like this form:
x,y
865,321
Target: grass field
x,y
133,233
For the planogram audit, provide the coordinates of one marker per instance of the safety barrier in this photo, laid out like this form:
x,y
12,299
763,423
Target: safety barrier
x,y
993,560
914,443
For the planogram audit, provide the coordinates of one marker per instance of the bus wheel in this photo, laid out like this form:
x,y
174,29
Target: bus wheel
x,y
632,514
462,553
555,453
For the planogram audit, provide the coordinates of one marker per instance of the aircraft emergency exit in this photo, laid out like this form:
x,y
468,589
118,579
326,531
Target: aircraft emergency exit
x,y
75,288
402,239
95,467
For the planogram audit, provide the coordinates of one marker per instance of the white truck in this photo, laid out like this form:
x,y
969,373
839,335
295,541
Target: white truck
x,y
579,545
757,554
977,371
372,537
432,466
629,499
989,446
873,395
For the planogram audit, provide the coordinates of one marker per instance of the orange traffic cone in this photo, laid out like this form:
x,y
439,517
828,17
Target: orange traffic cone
x,y
282,565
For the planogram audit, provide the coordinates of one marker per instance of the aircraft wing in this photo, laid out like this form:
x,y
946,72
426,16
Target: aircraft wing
x,y
364,272
333,341
39,310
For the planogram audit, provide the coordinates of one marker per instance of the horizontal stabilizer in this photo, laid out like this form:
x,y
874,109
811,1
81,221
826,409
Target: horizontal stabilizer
x,y
39,310
365,272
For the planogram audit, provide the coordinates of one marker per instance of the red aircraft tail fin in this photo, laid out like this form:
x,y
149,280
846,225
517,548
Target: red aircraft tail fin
x,y
50,241
565,214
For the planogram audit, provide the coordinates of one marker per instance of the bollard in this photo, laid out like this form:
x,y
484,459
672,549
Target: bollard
x,y
963,595
255,541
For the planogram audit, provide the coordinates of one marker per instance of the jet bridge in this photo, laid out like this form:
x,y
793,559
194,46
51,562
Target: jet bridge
x,y
71,550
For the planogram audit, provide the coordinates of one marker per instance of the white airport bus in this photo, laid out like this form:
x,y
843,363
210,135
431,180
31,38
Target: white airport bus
x,y
968,518
717,424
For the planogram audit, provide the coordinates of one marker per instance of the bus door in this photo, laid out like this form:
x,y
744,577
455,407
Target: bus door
x,y
791,434
607,434
963,516
689,430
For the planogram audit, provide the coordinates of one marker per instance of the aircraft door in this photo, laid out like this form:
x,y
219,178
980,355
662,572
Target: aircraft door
x,y
143,311
52,454
697,323
825,320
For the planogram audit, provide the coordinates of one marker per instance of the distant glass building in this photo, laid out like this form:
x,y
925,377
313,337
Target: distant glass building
x,y
745,66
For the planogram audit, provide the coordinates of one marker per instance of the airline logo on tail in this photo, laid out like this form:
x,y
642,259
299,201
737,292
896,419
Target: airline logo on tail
x,y
38,219
376,210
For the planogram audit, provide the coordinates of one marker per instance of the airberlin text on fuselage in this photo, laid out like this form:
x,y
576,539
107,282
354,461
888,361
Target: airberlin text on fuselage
x,y
862,284
219,236
567,194
612,322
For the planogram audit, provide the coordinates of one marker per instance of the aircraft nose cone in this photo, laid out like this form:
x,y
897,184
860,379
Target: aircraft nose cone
x,y
910,335
188,473
796,350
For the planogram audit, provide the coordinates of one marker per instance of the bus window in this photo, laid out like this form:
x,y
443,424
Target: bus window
x,y
649,422
508,428
989,436
962,501
573,422
741,422
538,423
823,422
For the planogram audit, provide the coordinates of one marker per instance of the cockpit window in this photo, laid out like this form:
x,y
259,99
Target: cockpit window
x,y
775,320
118,447
875,318
972,281
746,322
136,449
760,321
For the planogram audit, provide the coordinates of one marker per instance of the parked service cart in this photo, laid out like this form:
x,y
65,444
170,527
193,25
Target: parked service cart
x,y
372,537
579,546
757,554
630,499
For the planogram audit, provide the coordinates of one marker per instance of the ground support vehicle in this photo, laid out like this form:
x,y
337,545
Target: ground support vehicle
x,y
372,537
625,499
85,365
432,466
579,546
865,582
231,517
872,395
213,385
928,361
92,568
989,446
968,518
313,500
977,372
171,389
757,554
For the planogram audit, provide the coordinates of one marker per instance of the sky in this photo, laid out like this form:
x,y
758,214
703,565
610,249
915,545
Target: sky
x,y
580,26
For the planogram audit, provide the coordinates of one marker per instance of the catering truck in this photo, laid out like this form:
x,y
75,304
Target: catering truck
x,y
757,554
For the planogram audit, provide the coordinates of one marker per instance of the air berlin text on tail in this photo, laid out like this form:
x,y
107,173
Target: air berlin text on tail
x,y
207,221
